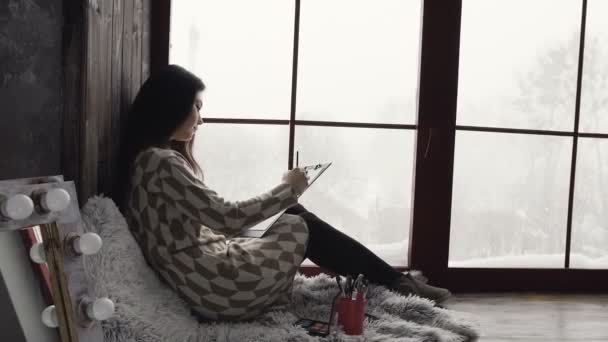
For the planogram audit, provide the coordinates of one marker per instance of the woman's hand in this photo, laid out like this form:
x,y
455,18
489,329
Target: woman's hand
x,y
297,179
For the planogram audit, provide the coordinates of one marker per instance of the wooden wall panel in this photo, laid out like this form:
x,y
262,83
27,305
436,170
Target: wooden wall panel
x,y
116,62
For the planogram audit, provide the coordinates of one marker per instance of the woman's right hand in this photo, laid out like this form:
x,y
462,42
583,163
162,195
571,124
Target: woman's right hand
x,y
297,179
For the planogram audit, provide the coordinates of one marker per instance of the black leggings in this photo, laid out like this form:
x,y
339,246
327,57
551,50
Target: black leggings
x,y
338,253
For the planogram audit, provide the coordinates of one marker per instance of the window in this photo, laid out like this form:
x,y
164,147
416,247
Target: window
x,y
590,216
518,75
511,194
590,212
486,118
242,51
367,192
516,128
348,96
358,61
242,161
511,189
594,96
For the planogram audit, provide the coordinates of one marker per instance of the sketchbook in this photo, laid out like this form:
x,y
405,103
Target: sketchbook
x,y
258,230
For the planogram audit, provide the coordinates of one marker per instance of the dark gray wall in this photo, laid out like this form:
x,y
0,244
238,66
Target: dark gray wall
x,y
30,87
30,139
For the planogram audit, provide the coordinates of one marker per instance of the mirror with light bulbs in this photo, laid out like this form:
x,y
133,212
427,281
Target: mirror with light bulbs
x,y
47,209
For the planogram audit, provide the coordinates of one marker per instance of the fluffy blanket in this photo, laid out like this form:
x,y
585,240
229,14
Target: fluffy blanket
x,y
149,311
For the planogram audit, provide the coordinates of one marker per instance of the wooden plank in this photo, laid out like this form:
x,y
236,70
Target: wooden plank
x,y
93,101
53,248
136,55
127,48
145,41
103,20
73,87
116,91
58,296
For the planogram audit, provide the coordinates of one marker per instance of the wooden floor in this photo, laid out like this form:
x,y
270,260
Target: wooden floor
x,y
537,317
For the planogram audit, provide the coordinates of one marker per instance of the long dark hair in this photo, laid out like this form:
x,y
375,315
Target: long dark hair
x,y
162,104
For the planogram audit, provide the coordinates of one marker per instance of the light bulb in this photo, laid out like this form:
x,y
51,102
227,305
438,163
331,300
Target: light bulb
x,y
55,200
37,253
87,244
101,309
49,317
17,207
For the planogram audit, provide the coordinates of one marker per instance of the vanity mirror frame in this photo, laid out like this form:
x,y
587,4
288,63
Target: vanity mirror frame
x,y
69,287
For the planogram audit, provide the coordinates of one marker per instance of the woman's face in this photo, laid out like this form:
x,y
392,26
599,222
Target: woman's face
x,y
186,131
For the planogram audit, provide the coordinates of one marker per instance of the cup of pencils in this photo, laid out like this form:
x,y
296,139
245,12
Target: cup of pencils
x,y
350,305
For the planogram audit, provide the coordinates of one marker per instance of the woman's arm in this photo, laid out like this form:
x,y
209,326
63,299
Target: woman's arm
x,y
201,204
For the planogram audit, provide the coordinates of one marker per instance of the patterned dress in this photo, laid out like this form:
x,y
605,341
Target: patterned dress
x,y
188,235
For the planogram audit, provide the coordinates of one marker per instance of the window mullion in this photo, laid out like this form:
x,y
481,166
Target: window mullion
x,y
438,86
577,111
294,82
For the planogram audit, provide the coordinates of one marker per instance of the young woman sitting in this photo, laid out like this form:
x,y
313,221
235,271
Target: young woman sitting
x,y
189,233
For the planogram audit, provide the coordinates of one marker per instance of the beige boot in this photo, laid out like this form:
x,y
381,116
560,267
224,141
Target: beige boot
x,y
417,274
407,285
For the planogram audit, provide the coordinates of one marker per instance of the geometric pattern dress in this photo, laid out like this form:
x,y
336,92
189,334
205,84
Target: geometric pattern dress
x,y
189,235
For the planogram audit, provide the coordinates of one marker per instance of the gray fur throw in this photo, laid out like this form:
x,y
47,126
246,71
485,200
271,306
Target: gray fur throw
x,y
149,311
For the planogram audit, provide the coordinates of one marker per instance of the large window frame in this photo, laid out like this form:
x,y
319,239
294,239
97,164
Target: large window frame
x,y
434,154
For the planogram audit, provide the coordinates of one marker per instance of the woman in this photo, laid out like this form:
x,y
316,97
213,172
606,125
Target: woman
x,y
188,232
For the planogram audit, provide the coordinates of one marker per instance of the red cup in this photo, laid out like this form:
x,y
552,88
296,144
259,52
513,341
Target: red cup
x,y
351,314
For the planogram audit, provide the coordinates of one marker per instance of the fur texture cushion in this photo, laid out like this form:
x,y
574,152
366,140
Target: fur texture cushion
x,y
147,310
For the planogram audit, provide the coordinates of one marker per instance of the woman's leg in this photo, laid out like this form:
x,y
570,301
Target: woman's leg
x,y
339,253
